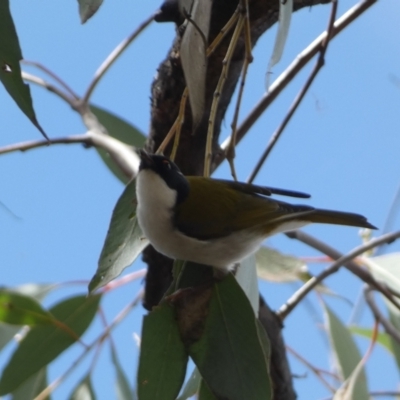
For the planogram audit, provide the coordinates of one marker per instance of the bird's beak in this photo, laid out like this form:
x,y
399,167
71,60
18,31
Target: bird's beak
x,y
145,160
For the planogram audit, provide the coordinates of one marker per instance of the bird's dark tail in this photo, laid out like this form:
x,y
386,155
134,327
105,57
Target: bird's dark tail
x,y
338,218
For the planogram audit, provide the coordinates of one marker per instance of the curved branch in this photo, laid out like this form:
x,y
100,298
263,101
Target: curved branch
x,y
113,56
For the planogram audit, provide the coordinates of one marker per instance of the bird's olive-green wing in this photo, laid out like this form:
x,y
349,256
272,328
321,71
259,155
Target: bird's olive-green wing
x,y
216,208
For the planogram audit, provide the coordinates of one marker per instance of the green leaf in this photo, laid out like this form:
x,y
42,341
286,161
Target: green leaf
x,y
84,390
347,355
205,392
36,290
163,358
87,8
7,332
246,275
119,129
124,391
10,70
32,386
43,343
229,354
382,338
285,16
192,385
274,266
124,241
394,318
386,269
17,309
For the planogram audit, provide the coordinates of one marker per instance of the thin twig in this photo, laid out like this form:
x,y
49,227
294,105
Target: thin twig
x,y
52,75
195,26
179,122
51,88
117,320
293,301
113,56
317,371
318,65
33,144
353,267
223,32
230,155
294,68
217,93
389,327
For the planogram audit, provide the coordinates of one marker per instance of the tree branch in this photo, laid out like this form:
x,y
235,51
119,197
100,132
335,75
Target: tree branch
x,y
293,301
294,68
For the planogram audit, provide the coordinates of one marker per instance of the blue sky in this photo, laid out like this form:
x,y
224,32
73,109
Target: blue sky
x,y
342,146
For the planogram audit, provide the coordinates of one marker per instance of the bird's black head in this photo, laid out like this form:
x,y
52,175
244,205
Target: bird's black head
x,y
168,171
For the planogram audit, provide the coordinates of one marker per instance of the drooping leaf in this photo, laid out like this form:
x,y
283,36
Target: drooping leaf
x,y
84,390
348,389
347,356
123,389
17,309
124,241
193,55
246,275
36,290
163,358
192,385
32,386
87,8
43,343
229,354
386,269
205,392
7,332
285,16
394,318
274,266
10,70
119,129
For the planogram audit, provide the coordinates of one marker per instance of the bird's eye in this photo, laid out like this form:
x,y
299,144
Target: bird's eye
x,y
167,164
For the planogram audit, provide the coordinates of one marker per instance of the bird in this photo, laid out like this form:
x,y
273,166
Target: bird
x,y
217,222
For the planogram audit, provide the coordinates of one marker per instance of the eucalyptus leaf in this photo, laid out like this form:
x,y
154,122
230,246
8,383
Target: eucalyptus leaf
x,y
32,386
84,390
124,241
7,333
229,354
285,16
382,338
119,129
123,389
43,343
87,8
10,69
192,385
386,269
193,55
274,266
348,358
246,275
205,392
17,309
163,358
